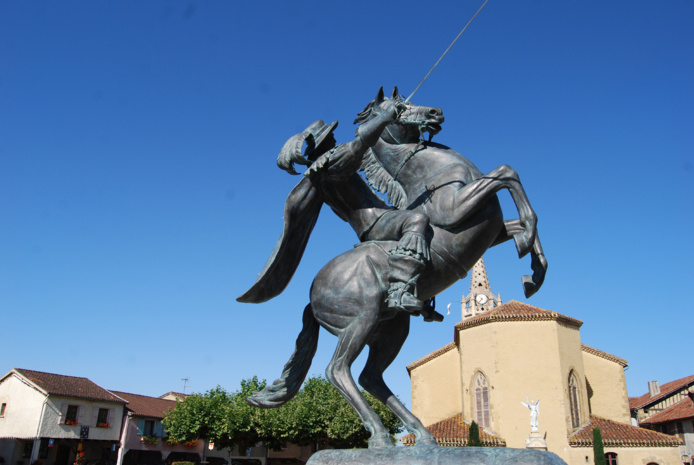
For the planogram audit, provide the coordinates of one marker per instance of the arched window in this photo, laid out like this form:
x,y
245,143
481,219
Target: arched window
x,y
611,458
573,401
481,388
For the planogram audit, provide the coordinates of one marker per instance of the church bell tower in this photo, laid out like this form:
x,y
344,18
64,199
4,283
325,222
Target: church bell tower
x,y
480,299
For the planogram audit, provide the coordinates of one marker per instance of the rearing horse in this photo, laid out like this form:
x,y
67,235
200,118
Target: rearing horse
x,y
348,295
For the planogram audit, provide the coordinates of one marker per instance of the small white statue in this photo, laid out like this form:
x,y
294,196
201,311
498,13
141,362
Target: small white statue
x,y
534,412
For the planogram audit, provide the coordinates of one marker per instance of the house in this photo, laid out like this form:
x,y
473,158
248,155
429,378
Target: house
x,y
507,359
669,409
143,437
53,418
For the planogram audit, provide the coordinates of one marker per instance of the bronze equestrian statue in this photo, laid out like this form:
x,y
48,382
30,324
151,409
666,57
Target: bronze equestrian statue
x,y
445,215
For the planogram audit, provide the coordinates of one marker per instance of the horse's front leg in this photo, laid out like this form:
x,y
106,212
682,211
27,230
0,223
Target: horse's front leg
x,y
468,198
531,284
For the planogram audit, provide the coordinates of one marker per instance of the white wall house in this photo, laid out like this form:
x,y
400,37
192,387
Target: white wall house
x,y
47,419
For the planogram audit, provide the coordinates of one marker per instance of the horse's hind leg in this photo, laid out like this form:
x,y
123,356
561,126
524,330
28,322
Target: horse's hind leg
x,y
384,344
531,284
350,344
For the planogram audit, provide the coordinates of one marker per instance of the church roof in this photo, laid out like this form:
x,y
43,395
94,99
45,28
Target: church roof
x,y
516,311
605,355
454,432
431,356
683,409
665,390
616,434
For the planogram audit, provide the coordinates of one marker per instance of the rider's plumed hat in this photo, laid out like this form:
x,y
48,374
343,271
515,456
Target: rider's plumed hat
x,y
313,136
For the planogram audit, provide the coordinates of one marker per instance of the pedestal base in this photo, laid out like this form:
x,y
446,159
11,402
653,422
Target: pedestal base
x,y
536,441
435,455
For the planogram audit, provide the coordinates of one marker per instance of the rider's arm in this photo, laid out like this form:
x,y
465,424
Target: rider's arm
x,y
369,132
346,159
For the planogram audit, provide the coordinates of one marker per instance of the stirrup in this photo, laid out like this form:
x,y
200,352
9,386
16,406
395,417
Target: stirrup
x,y
400,298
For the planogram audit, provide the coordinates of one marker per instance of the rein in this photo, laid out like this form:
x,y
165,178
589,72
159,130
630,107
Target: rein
x,y
410,155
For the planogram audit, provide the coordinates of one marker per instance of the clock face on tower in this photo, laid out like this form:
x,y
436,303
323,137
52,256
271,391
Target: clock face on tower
x,y
481,299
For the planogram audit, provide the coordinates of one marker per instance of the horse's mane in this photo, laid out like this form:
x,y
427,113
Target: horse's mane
x,y
382,181
377,177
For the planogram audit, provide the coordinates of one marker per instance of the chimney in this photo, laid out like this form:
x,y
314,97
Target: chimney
x,y
653,388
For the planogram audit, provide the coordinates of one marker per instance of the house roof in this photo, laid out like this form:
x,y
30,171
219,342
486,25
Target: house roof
x,y
145,406
174,395
680,411
67,386
516,311
616,434
454,432
431,356
665,390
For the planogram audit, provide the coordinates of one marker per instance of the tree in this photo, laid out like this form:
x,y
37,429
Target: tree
x,y
598,449
317,415
474,436
199,416
323,417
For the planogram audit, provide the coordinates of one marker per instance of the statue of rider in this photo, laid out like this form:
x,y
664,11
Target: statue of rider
x,y
333,168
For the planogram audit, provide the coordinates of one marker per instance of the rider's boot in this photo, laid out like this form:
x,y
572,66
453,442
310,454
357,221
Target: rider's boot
x,y
403,284
406,262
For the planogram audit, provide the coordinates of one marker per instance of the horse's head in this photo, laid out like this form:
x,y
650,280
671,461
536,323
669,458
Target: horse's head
x,y
412,123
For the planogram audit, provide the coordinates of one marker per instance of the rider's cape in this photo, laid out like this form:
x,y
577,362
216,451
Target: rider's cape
x,y
300,214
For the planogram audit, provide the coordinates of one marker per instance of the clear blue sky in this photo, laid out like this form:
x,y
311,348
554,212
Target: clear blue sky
x,y
139,194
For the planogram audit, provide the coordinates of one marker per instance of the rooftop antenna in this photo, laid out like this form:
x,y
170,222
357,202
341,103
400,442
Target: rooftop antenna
x,y
185,381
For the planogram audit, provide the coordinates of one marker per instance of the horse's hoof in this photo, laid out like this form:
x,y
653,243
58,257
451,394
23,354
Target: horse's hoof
x,y
529,287
381,442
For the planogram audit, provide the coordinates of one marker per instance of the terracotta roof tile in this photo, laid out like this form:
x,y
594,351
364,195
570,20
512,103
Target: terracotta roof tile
x,y
431,356
68,386
177,395
145,406
605,355
680,411
616,434
516,311
665,390
454,432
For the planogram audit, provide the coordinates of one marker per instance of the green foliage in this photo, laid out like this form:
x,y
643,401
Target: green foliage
x,y
321,415
317,415
598,449
474,437
151,440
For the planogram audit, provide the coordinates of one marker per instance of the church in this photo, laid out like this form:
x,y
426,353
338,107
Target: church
x,y
523,375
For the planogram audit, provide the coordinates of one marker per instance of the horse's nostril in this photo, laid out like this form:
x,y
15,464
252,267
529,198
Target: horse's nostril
x,y
433,112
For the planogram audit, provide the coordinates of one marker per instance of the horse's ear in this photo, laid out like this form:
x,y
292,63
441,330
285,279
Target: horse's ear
x,y
380,97
395,93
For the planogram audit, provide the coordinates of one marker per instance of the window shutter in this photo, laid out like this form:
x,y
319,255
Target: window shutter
x,y
140,427
80,413
95,414
159,430
109,418
63,413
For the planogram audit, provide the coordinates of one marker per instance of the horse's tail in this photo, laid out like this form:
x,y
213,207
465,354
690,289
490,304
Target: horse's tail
x,y
295,370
